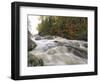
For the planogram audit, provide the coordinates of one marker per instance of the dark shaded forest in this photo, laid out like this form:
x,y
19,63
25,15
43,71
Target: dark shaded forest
x,y
74,28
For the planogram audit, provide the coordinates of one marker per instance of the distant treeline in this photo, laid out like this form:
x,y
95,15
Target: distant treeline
x,y
67,27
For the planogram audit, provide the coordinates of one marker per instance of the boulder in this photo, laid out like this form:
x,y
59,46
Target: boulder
x,y
34,60
31,44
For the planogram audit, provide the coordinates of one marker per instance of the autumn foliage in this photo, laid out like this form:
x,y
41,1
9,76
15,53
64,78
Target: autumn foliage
x,y
67,27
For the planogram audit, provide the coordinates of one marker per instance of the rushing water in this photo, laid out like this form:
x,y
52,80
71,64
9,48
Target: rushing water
x,y
58,51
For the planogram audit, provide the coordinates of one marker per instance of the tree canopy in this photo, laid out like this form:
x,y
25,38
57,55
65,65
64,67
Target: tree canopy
x,y
67,27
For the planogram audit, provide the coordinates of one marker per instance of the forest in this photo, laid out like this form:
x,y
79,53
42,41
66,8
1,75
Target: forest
x,y
74,28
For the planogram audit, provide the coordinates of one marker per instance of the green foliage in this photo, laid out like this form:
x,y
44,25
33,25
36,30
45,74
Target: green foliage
x,y
67,27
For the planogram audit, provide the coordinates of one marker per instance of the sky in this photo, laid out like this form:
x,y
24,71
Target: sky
x,y
33,23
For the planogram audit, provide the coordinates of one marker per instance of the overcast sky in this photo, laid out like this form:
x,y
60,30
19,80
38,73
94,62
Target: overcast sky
x,y
33,23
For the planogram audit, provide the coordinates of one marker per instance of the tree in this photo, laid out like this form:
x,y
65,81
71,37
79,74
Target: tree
x,y
67,27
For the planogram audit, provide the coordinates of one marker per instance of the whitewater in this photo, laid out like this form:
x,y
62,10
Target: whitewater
x,y
58,51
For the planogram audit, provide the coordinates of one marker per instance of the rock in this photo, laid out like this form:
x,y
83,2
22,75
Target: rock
x,y
48,37
34,60
85,45
80,53
59,43
38,38
31,44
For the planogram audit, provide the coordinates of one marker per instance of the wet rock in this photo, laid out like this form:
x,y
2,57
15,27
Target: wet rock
x,y
85,45
80,52
31,44
34,60
48,37
37,37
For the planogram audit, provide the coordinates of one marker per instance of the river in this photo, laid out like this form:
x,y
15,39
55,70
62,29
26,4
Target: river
x,y
54,50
